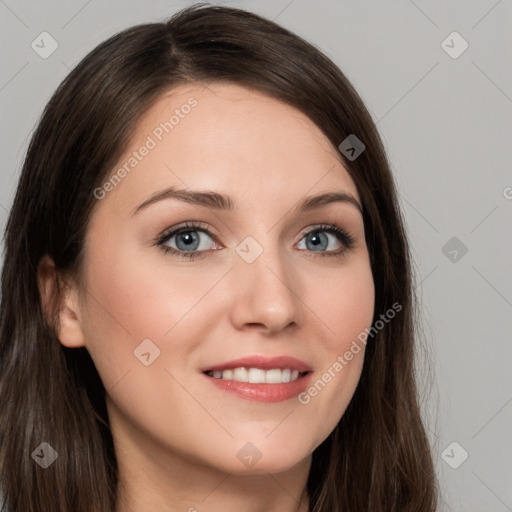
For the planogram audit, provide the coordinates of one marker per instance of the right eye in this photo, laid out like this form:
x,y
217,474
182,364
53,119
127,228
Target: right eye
x,y
188,240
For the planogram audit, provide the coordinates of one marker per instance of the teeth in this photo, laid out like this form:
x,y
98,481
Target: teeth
x,y
286,375
256,375
239,374
277,376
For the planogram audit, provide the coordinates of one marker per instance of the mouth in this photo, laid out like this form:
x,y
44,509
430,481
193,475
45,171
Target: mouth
x,y
262,379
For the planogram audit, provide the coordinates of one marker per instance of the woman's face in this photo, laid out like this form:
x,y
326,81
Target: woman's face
x,y
255,281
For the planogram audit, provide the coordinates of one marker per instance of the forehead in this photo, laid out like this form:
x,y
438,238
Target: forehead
x,y
229,138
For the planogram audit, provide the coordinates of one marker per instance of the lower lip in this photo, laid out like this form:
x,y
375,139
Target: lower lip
x,y
263,392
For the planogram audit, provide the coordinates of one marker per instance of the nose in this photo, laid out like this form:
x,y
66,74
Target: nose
x,y
265,294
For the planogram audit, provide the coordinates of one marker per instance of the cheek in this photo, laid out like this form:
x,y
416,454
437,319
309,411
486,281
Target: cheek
x,y
131,298
345,307
123,307
345,311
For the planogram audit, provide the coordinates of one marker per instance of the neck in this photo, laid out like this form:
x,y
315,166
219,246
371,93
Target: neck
x,y
146,486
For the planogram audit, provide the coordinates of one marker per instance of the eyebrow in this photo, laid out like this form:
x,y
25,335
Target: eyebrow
x,y
216,201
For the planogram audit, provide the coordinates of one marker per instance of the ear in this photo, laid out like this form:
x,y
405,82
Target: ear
x,y
61,307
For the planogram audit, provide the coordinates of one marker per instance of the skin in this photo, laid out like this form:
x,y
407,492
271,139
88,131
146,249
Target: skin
x,y
176,435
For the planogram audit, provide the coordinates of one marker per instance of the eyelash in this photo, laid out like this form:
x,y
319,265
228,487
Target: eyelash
x,y
343,236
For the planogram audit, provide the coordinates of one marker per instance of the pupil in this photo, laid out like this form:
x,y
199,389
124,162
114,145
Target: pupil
x,y
315,239
187,239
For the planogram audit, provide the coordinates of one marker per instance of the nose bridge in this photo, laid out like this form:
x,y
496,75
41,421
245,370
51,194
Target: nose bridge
x,y
265,287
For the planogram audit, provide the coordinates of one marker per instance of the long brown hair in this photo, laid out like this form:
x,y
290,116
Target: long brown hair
x,y
378,457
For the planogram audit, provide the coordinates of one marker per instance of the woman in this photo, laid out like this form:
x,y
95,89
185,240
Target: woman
x,y
207,300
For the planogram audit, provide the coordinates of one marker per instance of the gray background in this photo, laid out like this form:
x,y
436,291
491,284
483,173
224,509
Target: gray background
x,y
446,124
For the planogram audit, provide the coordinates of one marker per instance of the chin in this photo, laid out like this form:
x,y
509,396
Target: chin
x,y
262,456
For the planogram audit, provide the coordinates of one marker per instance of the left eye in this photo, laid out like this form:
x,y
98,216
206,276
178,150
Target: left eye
x,y
319,240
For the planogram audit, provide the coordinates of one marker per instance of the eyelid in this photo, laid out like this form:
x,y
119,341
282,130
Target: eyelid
x,y
186,226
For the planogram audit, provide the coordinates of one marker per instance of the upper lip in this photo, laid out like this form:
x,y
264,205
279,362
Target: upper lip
x,y
265,363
